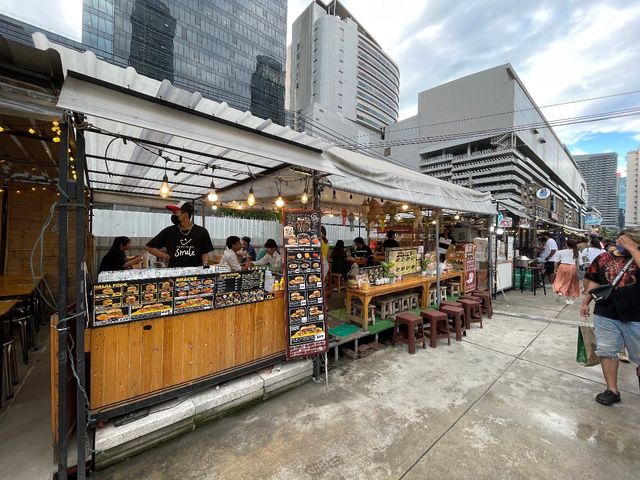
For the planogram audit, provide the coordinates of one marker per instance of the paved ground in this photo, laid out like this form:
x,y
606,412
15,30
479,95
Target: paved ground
x,y
509,402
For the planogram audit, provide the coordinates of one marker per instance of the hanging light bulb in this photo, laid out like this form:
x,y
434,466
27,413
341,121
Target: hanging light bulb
x,y
55,123
1,129
456,217
165,190
433,222
405,207
214,207
305,197
251,199
212,196
334,196
56,139
279,201
31,130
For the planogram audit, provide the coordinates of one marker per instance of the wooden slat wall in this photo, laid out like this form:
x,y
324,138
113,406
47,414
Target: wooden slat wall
x,y
27,213
129,363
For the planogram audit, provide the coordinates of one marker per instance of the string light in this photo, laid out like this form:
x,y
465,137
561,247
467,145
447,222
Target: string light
x,y
405,207
165,190
305,197
214,207
56,139
55,123
456,217
212,196
1,129
279,201
31,130
433,222
251,199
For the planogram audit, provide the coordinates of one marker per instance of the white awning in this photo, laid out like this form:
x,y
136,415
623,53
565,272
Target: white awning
x,y
376,178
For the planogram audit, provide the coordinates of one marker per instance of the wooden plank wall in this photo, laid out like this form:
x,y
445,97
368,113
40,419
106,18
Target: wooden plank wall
x,y
135,360
27,213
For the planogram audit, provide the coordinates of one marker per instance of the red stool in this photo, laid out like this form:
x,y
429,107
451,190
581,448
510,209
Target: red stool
x,y
415,330
436,319
485,302
472,311
456,317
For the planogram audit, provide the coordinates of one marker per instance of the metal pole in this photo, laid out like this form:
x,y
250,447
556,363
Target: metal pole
x,y
79,200
437,236
62,299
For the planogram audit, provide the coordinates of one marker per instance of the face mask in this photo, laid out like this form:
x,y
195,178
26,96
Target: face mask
x,y
621,250
175,220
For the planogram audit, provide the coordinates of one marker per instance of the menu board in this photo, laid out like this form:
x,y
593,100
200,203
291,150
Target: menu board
x,y
120,302
302,228
405,260
470,265
307,329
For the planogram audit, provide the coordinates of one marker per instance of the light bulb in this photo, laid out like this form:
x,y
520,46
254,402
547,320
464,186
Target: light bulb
x,y
405,207
1,129
56,139
55,123
251,199
456,217
433,222
31,131
280,202
214,207
212,196
499,231
165,190
305,197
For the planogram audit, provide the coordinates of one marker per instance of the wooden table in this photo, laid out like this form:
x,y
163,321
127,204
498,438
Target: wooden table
x,y
377,291
18,286
6,306
406,284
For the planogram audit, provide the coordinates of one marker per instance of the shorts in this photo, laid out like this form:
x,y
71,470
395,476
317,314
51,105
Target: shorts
x,y
549,267
612,334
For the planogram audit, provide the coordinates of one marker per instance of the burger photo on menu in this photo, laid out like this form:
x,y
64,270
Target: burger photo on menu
x,y
296,281
166,286
149,297
313,278
150,287
152,310
298,314
315,312
102,291
297,298
311,332
132,300
314,295
196,303
111,314
133,289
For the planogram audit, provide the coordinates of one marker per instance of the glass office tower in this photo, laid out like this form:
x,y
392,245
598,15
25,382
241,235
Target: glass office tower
x,y
228,50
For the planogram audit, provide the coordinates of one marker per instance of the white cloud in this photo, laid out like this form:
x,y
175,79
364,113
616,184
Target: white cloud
x,y
63,17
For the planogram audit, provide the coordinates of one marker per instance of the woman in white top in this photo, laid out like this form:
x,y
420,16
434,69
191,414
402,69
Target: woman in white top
x,y
566,268
272,257
590,253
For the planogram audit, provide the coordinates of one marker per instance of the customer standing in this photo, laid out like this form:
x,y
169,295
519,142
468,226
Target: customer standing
x,y
567,262
617,319
116,258
324,252
546,255
590,253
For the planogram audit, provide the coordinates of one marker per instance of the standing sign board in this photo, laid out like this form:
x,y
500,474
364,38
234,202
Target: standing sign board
x,y
306,325
470,266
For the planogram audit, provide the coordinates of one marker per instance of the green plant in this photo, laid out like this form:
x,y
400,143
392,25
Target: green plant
x,y
386,267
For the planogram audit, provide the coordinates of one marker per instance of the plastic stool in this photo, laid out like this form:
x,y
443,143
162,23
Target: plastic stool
x,y
435,319
415,330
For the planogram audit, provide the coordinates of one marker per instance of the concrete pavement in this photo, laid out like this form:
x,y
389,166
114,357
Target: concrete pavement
x,y
508,402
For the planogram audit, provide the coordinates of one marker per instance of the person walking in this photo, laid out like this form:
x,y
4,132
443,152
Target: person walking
x,y
546,255
617,319
567,263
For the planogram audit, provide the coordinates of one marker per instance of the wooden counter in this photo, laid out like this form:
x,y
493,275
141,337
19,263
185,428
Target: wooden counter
x,y
138,361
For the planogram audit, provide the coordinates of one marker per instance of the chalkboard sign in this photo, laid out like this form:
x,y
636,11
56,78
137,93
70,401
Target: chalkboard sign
x,y
404,260
302,228
120,302
307,329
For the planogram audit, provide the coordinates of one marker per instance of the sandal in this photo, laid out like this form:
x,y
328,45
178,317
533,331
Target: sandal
x,y
608,398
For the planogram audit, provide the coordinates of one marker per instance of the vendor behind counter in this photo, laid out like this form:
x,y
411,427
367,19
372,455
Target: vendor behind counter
x,y
187,244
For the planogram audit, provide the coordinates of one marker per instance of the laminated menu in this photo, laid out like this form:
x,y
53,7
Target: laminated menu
x,y
302,228
403,260
305,291
132,300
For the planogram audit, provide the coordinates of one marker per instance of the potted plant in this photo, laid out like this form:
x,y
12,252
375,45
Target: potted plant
x,y
386,268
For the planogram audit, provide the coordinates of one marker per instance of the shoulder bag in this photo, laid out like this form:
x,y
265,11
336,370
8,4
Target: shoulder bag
x,y
603,292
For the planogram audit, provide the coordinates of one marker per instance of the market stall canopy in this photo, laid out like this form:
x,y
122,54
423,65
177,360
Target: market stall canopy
x,y
369,177
377,178
514,208
170,127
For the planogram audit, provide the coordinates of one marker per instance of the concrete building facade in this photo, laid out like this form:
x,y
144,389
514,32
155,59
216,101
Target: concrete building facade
x,y
485,131
341,83
229,51
599,171
632,211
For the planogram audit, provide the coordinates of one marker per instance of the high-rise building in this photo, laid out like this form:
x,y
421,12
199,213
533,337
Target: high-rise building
x,y
622,199
599,171
632,211
485,131
227,50
341,82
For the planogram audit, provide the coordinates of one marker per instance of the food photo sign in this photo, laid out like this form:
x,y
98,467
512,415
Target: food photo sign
x,y
306,326
403,260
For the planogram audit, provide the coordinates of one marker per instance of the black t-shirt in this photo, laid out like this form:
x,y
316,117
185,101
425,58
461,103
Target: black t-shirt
x,y
390,243
113,260
185,250
364,252
624,302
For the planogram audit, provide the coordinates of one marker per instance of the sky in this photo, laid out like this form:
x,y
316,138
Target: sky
x,y
562,50
63,17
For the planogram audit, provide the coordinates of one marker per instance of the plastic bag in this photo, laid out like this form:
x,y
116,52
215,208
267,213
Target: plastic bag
x,y
586,352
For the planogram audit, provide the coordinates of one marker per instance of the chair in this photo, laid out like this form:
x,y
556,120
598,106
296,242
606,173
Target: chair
x,y
9,367
414,331
457,320
472,312
436,319
336,280
23,326
485,301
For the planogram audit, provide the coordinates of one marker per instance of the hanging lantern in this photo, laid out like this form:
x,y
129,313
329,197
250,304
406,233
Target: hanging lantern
x,y
352,218
344,216
382,217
